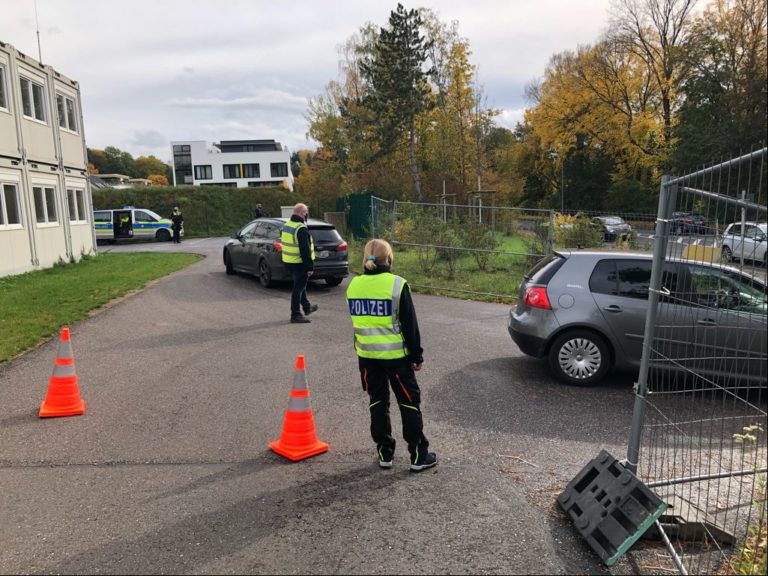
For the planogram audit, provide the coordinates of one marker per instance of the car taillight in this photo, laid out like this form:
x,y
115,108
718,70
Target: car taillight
x,y
341,247
278,246
536,297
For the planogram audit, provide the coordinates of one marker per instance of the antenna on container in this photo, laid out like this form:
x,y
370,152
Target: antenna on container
x,y
37,29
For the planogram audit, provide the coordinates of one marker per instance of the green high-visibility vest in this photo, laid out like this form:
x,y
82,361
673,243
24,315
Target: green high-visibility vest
x,y
374,304
289,239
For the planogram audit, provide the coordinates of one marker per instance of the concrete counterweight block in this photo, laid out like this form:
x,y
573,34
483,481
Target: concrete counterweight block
x,y
610,507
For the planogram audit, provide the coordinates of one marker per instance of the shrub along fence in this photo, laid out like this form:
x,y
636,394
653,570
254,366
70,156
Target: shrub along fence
x,y
484,251
208,210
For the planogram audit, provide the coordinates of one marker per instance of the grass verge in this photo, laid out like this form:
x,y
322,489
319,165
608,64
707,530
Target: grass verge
x,y
35,305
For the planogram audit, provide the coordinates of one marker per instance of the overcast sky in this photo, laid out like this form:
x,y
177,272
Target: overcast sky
x,y
153,71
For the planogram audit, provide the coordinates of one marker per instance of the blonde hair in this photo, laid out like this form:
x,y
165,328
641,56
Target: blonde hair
x,y
376,253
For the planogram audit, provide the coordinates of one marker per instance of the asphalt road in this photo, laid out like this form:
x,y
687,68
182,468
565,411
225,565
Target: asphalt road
x,y
185,384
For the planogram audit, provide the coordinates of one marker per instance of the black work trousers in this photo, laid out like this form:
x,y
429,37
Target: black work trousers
x,y
299,298
377,377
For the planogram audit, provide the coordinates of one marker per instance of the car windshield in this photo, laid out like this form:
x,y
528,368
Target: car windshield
x,y
613,220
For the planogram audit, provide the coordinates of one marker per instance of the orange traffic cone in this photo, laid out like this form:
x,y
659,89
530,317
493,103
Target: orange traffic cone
x,y
299,440
63,398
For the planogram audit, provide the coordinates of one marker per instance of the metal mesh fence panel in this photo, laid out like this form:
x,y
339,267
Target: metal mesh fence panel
x,y
699,438
603,231
467,249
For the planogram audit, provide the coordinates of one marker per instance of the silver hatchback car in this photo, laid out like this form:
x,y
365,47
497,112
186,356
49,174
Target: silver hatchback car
x,y
585,312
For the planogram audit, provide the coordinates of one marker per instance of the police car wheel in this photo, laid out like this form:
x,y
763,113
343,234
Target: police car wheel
x,y
333,281
163,235
265,274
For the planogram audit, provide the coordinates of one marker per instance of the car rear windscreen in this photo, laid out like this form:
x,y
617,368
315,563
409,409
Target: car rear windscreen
x,y
544,269
325,235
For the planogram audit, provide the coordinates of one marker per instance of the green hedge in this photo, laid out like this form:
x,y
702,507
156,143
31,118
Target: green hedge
x,y
208,210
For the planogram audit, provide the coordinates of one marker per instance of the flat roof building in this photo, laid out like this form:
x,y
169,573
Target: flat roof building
x,y
46,210
235,163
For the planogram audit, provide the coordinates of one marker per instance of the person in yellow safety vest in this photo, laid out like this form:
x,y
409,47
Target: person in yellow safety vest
x,y
388,346
298,255
125,224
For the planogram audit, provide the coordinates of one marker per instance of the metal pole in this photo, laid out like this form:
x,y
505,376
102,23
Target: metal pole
x,y
723,166
688,479
551,232
445,205
562,186
743,225
373,217
394,222
666,203
37,30
671,549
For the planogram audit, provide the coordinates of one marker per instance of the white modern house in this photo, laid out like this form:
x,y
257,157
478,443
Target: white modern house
x,y
45,196
235,163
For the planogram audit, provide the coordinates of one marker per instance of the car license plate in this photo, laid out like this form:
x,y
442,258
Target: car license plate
x,y
322,254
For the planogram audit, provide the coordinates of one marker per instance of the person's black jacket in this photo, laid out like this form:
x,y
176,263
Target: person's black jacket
x,y
302,237
178,220
408,322
259,213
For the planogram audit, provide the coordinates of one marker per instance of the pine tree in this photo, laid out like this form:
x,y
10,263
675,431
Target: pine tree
x,y
398,86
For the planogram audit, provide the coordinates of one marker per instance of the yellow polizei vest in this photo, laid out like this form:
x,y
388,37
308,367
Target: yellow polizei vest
x,y
288,238
374,304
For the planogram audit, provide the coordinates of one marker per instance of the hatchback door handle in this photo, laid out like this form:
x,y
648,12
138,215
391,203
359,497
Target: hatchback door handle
x,y
707,322
612,308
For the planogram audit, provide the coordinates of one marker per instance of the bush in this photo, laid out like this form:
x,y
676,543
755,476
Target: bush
x,y
576,231
208,210
479,237
448,251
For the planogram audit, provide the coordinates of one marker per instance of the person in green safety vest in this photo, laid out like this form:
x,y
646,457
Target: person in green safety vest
x,y
298,255
388,346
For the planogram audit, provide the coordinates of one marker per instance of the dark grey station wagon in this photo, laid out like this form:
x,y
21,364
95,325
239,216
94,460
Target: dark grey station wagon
x,y
255,249
585,312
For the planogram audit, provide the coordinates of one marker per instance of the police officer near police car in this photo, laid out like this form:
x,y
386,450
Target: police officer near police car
x,y
388,346
298,255
177,220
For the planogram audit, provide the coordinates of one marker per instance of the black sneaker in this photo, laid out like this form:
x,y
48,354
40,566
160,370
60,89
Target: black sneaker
x,y
299,320
308,311
429,460
385,458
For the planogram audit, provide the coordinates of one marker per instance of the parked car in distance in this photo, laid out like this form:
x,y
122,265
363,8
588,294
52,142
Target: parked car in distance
x,y
689,223
614,227
255,249
749,243
585,312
